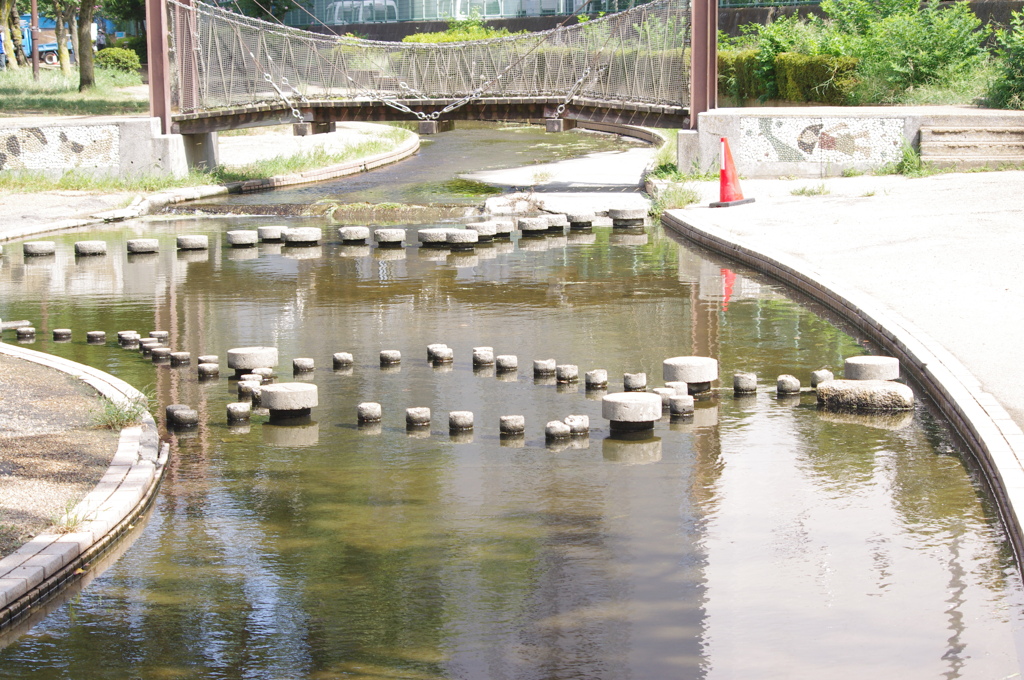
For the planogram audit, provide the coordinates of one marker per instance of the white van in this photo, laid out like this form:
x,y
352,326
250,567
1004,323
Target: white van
x,y
361,12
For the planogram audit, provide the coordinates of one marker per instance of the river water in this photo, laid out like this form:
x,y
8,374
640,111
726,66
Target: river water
x,y
759,539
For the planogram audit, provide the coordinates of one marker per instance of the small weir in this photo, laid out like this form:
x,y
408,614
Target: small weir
x,y
396,458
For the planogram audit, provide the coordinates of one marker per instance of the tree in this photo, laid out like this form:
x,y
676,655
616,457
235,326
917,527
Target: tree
x,y
62,12
86,66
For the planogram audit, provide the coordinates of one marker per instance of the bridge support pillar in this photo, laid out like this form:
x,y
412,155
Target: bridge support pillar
x,y
432,127
201,150
559,124
304,129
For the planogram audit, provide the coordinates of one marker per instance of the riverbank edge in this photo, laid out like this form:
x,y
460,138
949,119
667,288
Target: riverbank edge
x,y
992,436
153,203
38,569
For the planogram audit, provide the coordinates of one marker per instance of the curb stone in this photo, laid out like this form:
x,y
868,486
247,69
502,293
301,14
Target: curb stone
x,y
40,567
995,440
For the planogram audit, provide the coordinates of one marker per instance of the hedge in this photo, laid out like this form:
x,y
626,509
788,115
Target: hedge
x,y
800,77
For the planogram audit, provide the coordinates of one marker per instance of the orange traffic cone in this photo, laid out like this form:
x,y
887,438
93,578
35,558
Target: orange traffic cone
x,y
730,192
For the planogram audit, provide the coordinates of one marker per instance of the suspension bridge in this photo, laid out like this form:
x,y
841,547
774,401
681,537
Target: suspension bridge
x,y
212,70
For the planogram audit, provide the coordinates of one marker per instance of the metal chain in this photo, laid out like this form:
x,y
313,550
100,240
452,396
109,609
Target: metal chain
x,y
576,88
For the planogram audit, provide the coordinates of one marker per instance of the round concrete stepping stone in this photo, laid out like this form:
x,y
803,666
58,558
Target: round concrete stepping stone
x,y
580,220
544,367
417,416
629,411
567,373
460,420
61,334
271,234
183,418
239,411
666,394
681,405
483,356
249,389
821,376
434,236
512,424
244,359
90,248
143,245
532,225
181,358
596,379
96,337
634,382
507,363
193,242
288,400
697,372
303,236
556,429
354,234
627,217
787,384
162,336
243,238
369,412
342,359
264,373
160,355
485,231
390,357
432,349
207,359
36,248
556,222
503,228
303,365
389,238
744,383
871,368
578,424
462,238
208,370
444,355
865,395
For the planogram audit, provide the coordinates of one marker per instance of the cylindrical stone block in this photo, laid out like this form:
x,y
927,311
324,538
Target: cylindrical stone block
x,y
208,370
417,416
578,424
33,248
389,238
512,424
532,225
556,222
302,365
171,408
506,363
239,411
460,420
434,236
666,394
631,410
303,236
61,333
822,375
627,217
871,368
288,399
634,382
90,248
462,238
159,354
556,429
369,412
597,379
193,242
865,395
444,355
271,234
679,386
503,228
242,238
432,349
207,359
787,384
681,405
483,356
243,359
544,367
390,357
353,235
180,358
697,372
251,377
744,383
342,359
567,373
580,220
143,245
485,231
96,337
265,374
183,418
162,336
249,390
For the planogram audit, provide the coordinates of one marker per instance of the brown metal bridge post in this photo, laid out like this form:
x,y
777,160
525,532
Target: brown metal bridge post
x,y
703,59
159,63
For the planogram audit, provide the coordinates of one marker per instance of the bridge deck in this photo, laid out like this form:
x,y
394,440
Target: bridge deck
x,y
485,108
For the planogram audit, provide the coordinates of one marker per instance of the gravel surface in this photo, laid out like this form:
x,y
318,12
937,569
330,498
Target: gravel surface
x,y
51,454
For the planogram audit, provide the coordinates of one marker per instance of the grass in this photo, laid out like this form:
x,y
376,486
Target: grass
x,y
811,190
69,522
674,196
670,172
73,180
57,94
117,415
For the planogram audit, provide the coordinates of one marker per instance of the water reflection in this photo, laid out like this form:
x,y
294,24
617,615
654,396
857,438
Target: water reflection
x,y
753,539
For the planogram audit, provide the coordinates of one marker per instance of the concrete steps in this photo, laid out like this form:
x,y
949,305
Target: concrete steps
x,y
973,147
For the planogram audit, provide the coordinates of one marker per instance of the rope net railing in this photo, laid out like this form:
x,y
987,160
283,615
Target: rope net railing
x,y
221,59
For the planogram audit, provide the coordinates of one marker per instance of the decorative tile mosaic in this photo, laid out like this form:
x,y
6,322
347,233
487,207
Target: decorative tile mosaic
x,y
820,140
48,148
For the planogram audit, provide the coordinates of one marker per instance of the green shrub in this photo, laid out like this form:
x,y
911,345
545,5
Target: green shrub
x,y
902,51
738,75
815,78
118,59
1007,90
137,44
855,17
461,30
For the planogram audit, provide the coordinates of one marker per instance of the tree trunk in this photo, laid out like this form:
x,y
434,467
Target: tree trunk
x,y
86,72
16,57
59,17
73,23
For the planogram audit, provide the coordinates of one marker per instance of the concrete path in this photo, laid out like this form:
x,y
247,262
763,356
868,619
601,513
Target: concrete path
x,y
944,252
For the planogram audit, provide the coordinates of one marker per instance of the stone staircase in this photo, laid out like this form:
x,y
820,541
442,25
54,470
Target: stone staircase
x,y
966,147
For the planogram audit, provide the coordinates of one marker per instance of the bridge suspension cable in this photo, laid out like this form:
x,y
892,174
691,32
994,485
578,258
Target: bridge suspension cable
x,y
221,59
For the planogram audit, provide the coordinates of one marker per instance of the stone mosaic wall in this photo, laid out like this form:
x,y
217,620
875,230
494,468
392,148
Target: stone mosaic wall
x,y
59,148
841,141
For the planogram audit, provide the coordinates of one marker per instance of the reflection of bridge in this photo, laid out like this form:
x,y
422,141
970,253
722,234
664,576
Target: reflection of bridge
x,y
213,70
